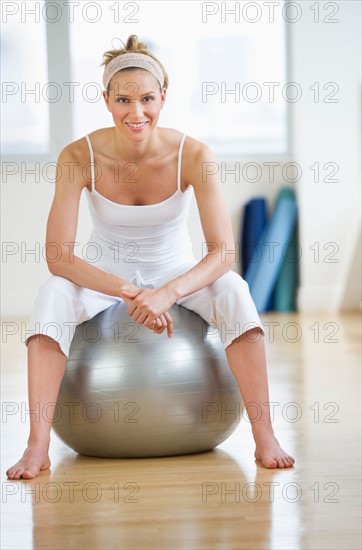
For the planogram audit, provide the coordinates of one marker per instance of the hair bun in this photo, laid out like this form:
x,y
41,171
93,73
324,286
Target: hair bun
x,y
134,45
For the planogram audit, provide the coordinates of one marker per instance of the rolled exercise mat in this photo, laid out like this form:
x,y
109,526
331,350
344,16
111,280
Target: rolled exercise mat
x,y
254,223
261,275
285,290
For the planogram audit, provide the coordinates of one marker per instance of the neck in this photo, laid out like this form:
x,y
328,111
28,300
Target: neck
x,y
136,150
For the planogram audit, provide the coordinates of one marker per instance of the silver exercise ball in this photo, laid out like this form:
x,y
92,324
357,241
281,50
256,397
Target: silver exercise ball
x,y
129,392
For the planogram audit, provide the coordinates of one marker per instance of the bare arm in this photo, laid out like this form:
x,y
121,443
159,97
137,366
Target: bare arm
x,y
216,225
147,304
62,228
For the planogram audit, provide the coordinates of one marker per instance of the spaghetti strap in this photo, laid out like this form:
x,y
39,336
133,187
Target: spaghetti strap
x,y
179,162
92,160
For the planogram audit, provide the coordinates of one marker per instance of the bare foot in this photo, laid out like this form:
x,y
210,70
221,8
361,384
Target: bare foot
x,y
34,459
270,453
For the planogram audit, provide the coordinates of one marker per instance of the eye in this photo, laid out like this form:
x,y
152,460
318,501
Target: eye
x,y
148,98
122,100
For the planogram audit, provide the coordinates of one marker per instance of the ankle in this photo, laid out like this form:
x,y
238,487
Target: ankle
x,y
262,429
39,441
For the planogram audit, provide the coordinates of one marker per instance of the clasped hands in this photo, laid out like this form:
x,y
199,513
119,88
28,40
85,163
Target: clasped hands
x,y
148,306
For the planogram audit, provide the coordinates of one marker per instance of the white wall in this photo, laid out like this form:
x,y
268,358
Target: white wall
x,y
329,132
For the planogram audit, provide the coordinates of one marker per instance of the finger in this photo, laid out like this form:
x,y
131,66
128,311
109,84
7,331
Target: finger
x,y
140,318
169,324
150,322
162,324
159,330
131,308
163,321
128,294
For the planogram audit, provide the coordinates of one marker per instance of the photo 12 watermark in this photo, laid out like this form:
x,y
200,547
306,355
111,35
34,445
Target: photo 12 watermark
x,y
268,11
269,491
71,11
71,492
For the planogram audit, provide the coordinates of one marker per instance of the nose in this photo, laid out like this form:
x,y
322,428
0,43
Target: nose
x,y
136,107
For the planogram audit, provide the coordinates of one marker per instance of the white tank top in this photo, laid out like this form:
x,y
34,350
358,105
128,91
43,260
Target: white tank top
x,y
150,239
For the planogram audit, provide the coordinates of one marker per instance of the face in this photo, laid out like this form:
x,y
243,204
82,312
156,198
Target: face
x,y
135,102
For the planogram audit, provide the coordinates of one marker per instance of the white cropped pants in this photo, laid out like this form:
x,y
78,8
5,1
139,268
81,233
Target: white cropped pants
x,y
61,305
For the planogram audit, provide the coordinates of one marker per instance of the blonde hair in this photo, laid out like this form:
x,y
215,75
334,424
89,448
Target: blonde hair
x,y
133,46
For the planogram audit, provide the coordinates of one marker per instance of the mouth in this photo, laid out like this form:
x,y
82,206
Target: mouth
x,y
136,125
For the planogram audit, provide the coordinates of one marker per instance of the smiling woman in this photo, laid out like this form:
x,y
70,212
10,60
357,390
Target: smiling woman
x,y
139,103
145,212
137,107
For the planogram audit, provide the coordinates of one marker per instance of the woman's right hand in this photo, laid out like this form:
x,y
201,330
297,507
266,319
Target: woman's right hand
x,y
161,323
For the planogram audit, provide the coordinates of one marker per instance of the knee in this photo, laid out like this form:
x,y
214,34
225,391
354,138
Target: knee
x,y
252,336
230,293
232,283
44,341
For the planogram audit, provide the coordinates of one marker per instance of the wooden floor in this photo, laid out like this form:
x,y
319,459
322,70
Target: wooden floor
x,y
216,500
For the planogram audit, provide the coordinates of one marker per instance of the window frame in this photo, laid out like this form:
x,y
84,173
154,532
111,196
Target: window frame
x,y
61,113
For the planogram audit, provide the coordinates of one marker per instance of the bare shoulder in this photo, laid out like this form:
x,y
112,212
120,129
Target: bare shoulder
x,y
76,151
195,147
192,149
197,159
73,162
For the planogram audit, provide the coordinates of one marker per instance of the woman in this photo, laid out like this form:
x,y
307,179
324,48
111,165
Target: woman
x,y
139,188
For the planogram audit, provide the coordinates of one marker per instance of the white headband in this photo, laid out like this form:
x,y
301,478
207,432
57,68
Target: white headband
x,y
125,60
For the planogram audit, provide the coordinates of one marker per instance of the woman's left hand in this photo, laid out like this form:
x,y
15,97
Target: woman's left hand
x,y
146,305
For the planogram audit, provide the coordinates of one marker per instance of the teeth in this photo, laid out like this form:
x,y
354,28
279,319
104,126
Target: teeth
x,y
137,125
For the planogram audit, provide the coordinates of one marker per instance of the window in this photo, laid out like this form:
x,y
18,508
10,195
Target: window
x,y
35,105
25,113
221,73
226,72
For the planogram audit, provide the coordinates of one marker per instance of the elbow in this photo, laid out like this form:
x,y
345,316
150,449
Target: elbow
x,y
229,263
53,267
228,257
56,261
224,263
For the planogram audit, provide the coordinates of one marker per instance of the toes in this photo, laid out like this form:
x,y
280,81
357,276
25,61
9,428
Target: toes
x,y
276,458
11,472
285,461
28,474
270,462
290,460
18,473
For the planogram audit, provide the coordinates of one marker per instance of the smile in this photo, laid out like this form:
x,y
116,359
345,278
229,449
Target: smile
x,y
136,125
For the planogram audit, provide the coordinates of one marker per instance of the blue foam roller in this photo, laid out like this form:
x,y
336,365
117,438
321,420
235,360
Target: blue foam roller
x,y
254,223
262,273
286,285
